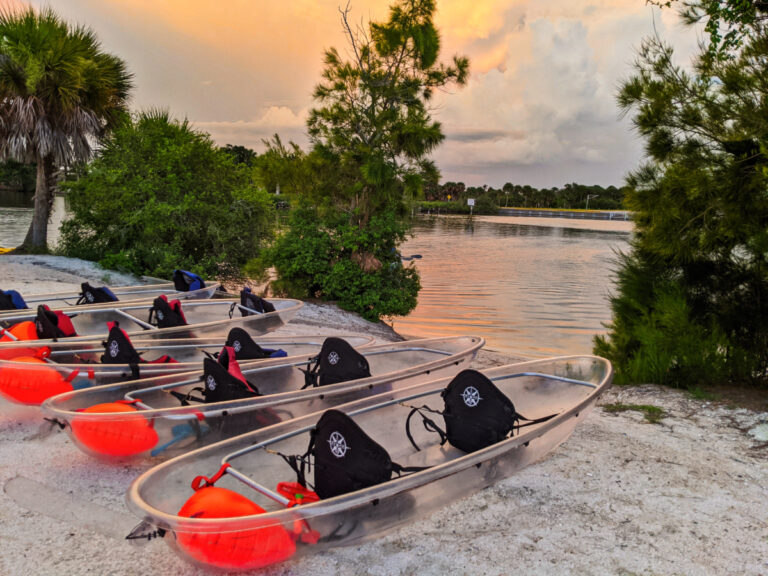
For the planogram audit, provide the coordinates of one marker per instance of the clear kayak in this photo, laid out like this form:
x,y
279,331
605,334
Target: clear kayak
x,y
30,374
146,320
90,295
161,416
240,504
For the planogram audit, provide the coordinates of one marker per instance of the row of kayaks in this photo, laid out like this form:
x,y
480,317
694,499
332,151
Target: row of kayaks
x,y
267,447
184,286
154,320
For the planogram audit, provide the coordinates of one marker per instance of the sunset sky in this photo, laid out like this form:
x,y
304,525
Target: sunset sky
x,y
539,108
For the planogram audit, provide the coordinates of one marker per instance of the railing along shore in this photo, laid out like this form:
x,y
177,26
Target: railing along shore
x,y
577,214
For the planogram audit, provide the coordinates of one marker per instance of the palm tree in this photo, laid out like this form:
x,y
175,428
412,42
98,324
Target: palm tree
x,y
59,93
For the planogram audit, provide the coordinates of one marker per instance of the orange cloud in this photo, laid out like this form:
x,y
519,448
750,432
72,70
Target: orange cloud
x,y
244,69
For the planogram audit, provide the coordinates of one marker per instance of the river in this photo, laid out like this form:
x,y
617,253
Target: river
x,y
531,286
16,216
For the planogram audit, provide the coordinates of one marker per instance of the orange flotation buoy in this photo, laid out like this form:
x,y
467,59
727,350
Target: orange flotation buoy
x,y
11,352
30,379
21,331
125,436
243,550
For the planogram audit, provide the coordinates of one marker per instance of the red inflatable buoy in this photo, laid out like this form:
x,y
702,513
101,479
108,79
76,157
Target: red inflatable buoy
x,y
11,352
21,331
243,550
33,382
128,435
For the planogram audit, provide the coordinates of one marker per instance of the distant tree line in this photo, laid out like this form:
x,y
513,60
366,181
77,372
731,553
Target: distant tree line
x,y
570,197
291,171
17,176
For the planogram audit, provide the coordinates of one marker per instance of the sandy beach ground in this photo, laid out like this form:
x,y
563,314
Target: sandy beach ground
x,y
688,495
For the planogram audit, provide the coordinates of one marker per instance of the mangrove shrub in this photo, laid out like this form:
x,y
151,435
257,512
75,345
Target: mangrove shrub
x,y
160,196
325,258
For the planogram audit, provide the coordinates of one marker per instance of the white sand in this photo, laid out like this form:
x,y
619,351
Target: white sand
x,y
622,496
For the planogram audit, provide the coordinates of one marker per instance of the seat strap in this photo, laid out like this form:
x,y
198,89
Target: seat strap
x,y
400,470
299,463
310,373
185,398
529,422
429,424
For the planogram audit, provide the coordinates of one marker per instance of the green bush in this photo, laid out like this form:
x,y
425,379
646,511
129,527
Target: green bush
x,y
692,301
325,257
654,337
161,196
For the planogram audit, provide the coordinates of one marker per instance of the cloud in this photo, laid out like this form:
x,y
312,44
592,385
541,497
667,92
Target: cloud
x,y
540,103
488,135
251,133
557,87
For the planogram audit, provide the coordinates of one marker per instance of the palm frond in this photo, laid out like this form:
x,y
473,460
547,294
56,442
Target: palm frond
x,y
59,92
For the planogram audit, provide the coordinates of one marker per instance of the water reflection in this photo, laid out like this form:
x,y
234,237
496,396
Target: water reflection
x,y
15,198
14,223
16,216
530,289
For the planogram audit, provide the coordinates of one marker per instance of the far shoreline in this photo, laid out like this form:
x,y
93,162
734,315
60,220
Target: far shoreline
x,y
619,226
624,226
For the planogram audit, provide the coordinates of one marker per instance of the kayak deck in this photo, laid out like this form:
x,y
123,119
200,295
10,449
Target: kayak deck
x,y
251,468
170,405
204,318
124,294
30,374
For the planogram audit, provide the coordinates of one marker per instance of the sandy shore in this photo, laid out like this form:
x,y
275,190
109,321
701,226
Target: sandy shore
x,y
686,496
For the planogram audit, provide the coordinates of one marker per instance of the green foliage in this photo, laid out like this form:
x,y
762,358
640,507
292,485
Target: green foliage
x,y
302,255
571,196
692,301
18,176
444,207
483,205
373,125
335,260
699,393
653,414
161,196
653,336
59,93
240,154
727,22
292,170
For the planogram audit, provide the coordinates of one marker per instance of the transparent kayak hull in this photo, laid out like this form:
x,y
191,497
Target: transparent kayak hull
x,y
204,318
156,424
31,374
124,294
566,386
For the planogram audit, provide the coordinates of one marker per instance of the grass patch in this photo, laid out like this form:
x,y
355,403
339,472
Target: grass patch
x,y
653,414
698,393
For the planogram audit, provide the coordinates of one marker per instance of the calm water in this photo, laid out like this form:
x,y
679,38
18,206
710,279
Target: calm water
x,y
15,218
531,287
